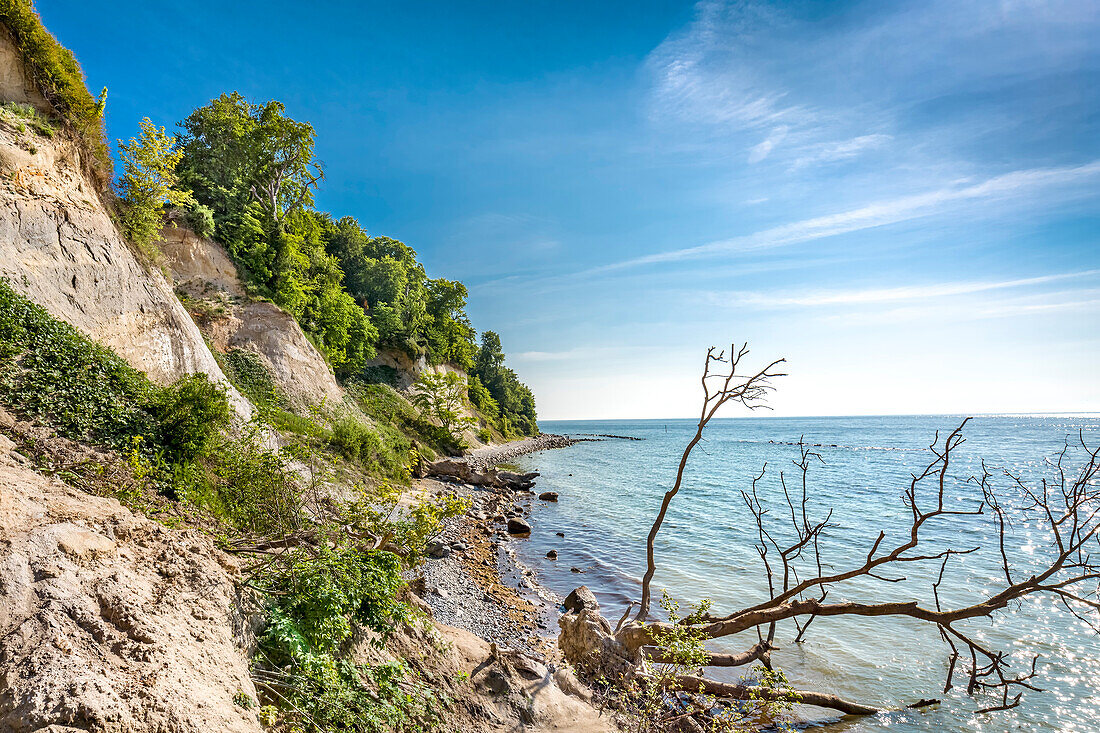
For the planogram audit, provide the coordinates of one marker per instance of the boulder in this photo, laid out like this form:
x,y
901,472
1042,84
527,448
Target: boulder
x,y
552,555
438,550
581,598
548,496
516,525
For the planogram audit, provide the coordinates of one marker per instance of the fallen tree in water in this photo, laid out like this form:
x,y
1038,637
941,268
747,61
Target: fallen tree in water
x,y
802,582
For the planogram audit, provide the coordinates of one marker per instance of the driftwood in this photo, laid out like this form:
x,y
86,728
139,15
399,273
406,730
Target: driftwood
x,y
458,470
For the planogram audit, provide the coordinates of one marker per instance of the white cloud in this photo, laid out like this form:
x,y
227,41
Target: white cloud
x,y
939,311
761,151
843,150
880,213
690,86
740,67
868,296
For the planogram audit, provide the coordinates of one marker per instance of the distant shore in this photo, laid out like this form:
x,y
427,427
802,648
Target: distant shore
x,y
488,456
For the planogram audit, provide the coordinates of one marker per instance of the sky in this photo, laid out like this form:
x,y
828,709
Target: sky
x,y
902,199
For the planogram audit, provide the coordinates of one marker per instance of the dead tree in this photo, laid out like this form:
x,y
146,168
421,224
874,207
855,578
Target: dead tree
x,y
748,390
800,579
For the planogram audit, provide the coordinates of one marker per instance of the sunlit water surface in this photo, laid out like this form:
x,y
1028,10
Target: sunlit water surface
x,y
611,490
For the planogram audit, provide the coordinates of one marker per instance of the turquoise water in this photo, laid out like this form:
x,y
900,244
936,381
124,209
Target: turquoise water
x,y
611,490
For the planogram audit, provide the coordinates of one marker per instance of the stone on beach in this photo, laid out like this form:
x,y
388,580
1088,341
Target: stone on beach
x,y
518,526
581,598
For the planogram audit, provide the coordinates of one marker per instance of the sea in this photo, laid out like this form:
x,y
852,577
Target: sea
x,y
610,489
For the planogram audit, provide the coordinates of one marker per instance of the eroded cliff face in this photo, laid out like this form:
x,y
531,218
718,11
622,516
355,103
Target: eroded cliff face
x,y
14,84
202,269
110,622
59,247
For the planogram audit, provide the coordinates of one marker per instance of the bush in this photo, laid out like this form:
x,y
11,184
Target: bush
x,y
27,113
322,594
349,436
318,594
190,416
252,486
249,374
51,373
442,397
387,407
201,220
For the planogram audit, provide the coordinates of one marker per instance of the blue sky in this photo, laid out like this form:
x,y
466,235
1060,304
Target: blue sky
x,y
901,198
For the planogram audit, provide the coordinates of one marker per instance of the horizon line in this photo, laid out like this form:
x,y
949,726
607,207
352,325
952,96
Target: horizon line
x,y
1006,413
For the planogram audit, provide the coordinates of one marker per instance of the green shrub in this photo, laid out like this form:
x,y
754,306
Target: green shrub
x,y
485,435
387,407
442,397
201,220
349,436
252,486
249,374
318,594
190,416
51,373
27,113
325,592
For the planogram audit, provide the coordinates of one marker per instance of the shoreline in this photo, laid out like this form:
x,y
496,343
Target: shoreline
x,y
489,456
473,578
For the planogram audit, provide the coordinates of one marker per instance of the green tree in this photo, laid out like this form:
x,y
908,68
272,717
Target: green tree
x,y
149,183
482,400
440,397
515,401
253,166
449,335
384,276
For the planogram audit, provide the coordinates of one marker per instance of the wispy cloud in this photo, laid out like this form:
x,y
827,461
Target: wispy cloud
x,y
690,85
843,150
589,353
758,152
745,66
1058,303
871,296
878,214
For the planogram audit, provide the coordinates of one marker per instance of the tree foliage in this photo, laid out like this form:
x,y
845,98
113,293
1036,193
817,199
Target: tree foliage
x,y
255,169
441,397
513,400
149,183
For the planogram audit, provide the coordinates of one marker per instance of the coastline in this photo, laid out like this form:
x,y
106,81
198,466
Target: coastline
x,y
488,456
473,579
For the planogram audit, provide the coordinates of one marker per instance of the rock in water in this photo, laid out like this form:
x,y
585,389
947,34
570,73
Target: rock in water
x,y
553,554
548,496
581,598
518,526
